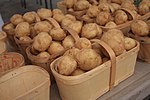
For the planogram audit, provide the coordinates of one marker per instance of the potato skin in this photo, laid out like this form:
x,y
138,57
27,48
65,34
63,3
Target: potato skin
x,y
22,29
77,72
44,13
42,41
111,24
129,43
44,55
76,26
25,38
68,42
55,48
115,39
93,11
83,43
42,26
103,18
120,17
81,5
66,65
144,8
88,59
9,29
16,19
72,52
140,28
91,30
57,34
29,17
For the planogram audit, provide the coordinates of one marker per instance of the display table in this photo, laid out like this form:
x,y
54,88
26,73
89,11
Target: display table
x,y
137,87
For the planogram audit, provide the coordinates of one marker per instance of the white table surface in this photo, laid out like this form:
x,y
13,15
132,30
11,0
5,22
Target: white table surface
x,y
1,22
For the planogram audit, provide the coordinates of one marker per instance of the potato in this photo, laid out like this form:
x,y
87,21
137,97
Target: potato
x,y
29,17
103,18
115,6
76,26
42,26
115,39
111,24
120,17
66,65
68,42
104,7
129,43
44,55
69,3
96,47
55,48
25,38
87,19
42,41
81,5
57,34
128,4
69,19
144,8
93,11
22,29
16,19
88,59
140,28
44,13
58,17
83,43
9,29
91,30
77,72
72,52
33,33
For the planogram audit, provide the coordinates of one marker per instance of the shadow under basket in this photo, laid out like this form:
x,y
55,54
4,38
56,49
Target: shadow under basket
x,y
10,61
144,52
25,83
96,82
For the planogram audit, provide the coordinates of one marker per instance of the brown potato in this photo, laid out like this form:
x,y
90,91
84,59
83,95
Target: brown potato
x,y
42,41
88,59
129,43
144,8
115,6
91,30
104,7
44,13
55,48
120,17
140,28
83,43
22,29
58,17
42,26
117,1
25,38
43,55
66,65
103,18
93,11
29,17
111,24
16,19
57,34
72,52
128,4
96,47
81,5
71,17
115,39
77,72
76,26
9,29
69,3
67,20
68,42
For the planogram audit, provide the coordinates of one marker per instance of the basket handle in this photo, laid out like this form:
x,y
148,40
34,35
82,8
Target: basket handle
x,y
113,61
130,12
73,33
53,22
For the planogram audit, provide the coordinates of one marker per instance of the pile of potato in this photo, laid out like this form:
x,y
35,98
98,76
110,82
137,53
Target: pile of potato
x,y
108,13
54,32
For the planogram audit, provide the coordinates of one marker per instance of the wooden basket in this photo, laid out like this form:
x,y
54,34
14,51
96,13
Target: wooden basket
x,y
25,83
3,36
9,61
10,36
145,17
144,52
2,47
96,82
